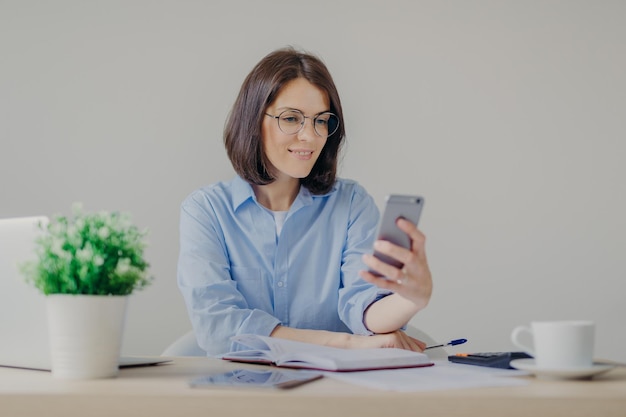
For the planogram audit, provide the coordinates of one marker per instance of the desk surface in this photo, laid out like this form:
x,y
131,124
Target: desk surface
x,y
163,391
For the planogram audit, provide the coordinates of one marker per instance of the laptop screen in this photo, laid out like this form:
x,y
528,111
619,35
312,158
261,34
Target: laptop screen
x,y
23,328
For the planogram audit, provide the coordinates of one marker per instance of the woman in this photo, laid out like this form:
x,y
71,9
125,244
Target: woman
x,y
283,249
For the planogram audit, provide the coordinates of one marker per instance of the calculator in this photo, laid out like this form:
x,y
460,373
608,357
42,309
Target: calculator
x,y
491,359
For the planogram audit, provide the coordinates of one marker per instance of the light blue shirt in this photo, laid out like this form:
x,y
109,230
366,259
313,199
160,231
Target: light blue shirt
x,y
238,276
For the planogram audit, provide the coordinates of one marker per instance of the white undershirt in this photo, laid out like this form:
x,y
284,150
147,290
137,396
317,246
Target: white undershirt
x,y
279,219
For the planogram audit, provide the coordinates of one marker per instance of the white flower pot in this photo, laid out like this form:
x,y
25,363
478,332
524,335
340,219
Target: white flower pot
x,y
85,334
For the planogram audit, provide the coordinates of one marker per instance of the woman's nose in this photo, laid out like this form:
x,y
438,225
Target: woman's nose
x,y
308,130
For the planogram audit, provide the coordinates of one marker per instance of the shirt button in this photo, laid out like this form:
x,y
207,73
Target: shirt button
x,y
280,283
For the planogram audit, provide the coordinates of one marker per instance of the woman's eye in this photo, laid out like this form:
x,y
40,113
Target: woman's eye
x,y
290,119
321,122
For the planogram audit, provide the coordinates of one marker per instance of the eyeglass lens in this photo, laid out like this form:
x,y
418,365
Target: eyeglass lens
x,y
292,121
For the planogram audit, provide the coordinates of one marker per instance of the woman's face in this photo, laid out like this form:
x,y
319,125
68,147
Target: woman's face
x,y
293,156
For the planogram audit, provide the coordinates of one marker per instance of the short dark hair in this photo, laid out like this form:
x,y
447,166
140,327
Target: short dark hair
x,y
242,133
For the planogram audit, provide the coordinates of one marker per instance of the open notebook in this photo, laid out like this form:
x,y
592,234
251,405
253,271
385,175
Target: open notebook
x,y
23,323
292,354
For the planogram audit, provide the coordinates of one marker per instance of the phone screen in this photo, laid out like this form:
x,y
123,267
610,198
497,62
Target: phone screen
x,y
271,378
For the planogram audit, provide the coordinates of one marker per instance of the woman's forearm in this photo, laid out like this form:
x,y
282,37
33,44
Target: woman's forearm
x,y
390,313
395,339
318,337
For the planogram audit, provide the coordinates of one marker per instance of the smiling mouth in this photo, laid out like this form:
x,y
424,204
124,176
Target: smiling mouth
x,y
302,153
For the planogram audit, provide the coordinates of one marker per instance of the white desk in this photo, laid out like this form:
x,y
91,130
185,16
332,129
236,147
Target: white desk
x,y
163,391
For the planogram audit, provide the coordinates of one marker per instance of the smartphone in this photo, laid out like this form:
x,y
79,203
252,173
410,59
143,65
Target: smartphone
x,y
271,378
397,206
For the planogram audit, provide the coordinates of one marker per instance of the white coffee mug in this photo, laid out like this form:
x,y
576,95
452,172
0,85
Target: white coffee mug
x,y
558,344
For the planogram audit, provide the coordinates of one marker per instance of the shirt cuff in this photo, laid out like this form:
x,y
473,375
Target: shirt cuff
x,y
260,323
361,328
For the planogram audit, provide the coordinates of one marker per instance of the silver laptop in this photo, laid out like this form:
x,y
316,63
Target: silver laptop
x,y
23,322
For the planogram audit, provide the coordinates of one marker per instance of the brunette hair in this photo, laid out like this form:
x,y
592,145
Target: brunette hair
x,y
242,133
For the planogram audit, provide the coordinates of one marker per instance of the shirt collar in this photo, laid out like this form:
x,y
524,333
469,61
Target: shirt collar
x,y
242,191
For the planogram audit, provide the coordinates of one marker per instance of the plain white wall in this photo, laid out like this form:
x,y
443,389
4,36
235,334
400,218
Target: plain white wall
x,y
508,116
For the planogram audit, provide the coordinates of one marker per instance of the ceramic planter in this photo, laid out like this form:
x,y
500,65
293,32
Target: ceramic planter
x,y
85,334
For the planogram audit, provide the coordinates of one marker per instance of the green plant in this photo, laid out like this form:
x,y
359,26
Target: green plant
x,y
89,253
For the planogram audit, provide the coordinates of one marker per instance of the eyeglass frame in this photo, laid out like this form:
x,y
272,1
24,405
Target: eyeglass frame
x,y
313,119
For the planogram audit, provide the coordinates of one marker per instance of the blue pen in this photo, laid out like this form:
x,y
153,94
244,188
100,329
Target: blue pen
x,y
450,343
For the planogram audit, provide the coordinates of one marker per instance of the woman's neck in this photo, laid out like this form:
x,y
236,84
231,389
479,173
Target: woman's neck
x,y
279,195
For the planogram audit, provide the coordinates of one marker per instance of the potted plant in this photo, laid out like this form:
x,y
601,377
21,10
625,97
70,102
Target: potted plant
x,y
87,265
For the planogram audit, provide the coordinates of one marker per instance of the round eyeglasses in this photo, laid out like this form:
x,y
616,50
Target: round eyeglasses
x,y
291,122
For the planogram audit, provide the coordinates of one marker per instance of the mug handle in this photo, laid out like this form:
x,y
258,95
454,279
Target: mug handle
x,y
515,335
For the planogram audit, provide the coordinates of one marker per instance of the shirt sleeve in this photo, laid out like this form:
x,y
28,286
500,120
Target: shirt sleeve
x,y
355,294
216,308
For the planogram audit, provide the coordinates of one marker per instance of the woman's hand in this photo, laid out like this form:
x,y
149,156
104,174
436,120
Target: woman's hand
x,y
397,339
413,281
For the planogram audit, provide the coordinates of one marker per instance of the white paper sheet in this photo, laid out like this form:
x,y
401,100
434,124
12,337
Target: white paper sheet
x,y
444,375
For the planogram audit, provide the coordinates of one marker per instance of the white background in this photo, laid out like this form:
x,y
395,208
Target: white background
x,y
508,116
